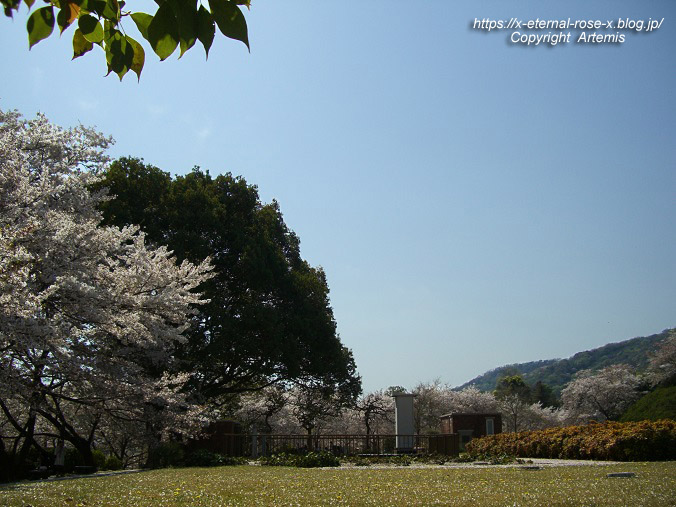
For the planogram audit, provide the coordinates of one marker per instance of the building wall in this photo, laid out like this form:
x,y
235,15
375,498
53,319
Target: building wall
x,y
453,423
469,426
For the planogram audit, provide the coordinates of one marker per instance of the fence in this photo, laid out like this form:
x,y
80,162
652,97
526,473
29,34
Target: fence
x,y
234,444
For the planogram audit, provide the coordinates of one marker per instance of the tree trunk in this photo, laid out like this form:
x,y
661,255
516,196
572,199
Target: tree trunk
x,y
22,456
84,448
309,439
4,462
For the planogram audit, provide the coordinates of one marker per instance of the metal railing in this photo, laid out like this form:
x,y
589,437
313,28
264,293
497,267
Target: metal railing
x,y
344,445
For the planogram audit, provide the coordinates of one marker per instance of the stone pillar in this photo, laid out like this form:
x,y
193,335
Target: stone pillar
x,y
404,426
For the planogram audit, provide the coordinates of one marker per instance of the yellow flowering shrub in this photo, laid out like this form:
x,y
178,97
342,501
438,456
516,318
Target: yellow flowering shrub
x,y
628,441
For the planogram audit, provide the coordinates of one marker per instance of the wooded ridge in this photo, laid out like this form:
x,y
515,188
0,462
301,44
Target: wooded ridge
x,y
556,373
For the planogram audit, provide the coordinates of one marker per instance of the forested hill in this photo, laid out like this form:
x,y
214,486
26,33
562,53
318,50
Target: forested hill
x,y
558,372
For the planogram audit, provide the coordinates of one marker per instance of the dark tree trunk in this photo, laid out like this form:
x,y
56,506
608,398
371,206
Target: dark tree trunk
x,y
4,462
309,439
20,461
85,450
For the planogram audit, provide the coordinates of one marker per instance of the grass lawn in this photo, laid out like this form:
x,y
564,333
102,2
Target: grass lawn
x,y
654,484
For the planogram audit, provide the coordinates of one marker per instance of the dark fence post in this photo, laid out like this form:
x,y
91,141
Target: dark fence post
x,y
254,443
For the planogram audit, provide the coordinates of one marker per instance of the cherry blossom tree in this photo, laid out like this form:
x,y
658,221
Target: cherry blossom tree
x,y
430,403
471,400
437,399
601,395
89,315
376,409
316,400
257,409
662,366
539,417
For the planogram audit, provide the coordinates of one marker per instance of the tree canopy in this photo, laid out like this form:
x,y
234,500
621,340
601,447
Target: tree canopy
x,y
175,24
269,318
89,315
103,336
602,395
512,385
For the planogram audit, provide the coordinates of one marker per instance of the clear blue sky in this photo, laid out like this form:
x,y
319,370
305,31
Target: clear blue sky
x,y
473,203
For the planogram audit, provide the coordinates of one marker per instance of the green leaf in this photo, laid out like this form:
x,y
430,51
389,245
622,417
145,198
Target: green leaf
x,y
97,6
40,25
142,21
69,12
206,29
80,44
119,54
29,3
163,31
10,5
139,57
186,14
91,28
63,18
111,11
108,30
230,20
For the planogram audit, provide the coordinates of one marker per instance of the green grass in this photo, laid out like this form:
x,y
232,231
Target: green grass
x,y
655,484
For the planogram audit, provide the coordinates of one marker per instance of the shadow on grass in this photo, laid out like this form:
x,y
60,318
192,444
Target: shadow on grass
x,y
9,486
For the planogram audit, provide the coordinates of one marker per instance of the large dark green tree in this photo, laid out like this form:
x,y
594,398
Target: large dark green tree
x,y
269,319
543,394
512,385
175,24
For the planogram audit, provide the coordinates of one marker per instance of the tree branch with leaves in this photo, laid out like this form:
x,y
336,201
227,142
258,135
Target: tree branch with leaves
x,y
175,24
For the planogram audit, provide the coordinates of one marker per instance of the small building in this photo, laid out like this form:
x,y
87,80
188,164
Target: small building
x,y
469,426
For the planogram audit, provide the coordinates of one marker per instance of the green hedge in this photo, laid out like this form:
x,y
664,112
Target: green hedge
x,y
205,458
629,441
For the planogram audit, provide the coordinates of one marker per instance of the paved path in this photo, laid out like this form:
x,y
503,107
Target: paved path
x,y
540,462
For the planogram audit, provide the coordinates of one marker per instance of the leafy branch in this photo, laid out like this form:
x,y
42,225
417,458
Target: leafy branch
x,y
176,24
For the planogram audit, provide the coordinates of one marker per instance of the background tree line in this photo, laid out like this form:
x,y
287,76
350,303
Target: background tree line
x,y
616,392
556,373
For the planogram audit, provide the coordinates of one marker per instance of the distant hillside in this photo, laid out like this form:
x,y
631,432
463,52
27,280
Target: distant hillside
x,y
558,372
656,405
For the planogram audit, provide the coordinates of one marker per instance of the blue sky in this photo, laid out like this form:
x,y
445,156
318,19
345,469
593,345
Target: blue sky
x,y
474,203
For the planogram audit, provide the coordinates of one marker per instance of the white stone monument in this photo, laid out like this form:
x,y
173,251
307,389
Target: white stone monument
x,y
404,426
